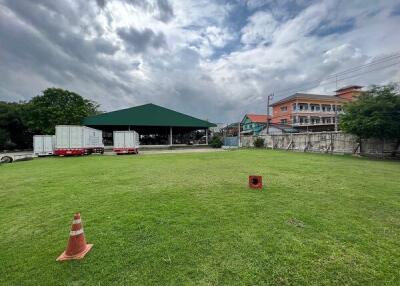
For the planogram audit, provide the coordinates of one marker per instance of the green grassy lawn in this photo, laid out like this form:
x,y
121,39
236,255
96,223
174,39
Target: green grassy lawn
x,y
189,219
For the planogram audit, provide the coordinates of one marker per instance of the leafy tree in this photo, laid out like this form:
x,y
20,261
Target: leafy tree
x,y
259,142
216,142
57,106
375,114
13,131
4,138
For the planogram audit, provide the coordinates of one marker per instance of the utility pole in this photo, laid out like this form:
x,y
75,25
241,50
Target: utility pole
x,y
336,117
336,113
269,97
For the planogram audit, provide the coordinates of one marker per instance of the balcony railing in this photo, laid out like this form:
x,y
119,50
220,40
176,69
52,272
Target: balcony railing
x,y
312,123
315,111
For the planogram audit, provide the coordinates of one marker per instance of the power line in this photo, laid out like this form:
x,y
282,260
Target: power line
x,y
356,75
384,59
338,76
321,80
322,83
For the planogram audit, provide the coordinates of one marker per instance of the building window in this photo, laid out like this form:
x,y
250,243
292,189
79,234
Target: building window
x,y
326,108
283,108
314,120
314,107
326,120
283,121
303,106
303,119
294,106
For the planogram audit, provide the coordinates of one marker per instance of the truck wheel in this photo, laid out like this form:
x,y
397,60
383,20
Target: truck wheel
x,y
6,159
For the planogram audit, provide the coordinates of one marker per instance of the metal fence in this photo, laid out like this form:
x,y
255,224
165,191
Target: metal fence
x,y
231,141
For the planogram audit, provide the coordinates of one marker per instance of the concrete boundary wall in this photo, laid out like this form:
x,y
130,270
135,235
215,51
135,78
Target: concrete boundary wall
x,y
327,142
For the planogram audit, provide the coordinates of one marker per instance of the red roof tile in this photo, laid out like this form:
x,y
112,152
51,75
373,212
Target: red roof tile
x,y
349,87
258,118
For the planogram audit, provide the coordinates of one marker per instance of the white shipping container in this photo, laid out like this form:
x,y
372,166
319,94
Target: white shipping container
x,y
78,137
126,139
43,145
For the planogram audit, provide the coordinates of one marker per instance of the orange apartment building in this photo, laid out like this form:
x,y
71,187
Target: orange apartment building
x,y
313,112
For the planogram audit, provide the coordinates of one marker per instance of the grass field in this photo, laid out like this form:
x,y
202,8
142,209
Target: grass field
x,y
189,219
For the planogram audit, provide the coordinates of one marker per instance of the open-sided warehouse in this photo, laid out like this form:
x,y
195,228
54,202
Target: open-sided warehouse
x,y
155,124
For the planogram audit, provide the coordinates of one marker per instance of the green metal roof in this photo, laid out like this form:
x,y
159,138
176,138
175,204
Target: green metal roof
x,y
147,115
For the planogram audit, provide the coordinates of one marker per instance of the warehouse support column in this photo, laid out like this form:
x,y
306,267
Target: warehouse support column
x,y
239,135
170,136
206,136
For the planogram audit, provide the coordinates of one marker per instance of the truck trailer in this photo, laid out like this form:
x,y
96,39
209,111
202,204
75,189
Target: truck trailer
x,y
126,142
43,145
78,140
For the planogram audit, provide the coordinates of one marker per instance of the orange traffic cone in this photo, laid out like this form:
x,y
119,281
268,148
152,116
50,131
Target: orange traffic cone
x,y
77,247
255,182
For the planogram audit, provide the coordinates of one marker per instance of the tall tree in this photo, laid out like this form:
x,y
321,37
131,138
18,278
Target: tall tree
x,y
13,131
375,114
57,106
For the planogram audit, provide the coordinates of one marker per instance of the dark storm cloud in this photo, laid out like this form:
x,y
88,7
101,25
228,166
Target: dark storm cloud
x,y
163,51
56,26
16,37
165,9
395,11
140,41
36,44
101,3
22,49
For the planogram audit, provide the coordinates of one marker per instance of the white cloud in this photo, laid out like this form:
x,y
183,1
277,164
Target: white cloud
x,y
205,67
296,57
218,37
259,29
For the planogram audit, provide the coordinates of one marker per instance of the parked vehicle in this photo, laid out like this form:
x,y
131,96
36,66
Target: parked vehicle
x,y
14,157
126,142
78,140
43,145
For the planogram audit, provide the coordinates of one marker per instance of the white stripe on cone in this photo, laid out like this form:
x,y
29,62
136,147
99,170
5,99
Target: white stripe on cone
x,y
76,232
76,221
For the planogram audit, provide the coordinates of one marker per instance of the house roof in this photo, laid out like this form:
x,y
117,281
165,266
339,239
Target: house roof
x,y
308,96
232,125
285,128
147,115
348,87
258,118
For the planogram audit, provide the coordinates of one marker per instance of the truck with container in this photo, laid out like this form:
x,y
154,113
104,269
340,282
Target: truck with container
x,y
126,142
78,140
43,145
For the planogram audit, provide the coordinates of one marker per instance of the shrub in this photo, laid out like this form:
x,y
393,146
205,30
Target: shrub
x,y
259,142
216,142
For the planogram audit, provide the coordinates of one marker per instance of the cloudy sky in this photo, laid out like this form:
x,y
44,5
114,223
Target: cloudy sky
x,y
213,59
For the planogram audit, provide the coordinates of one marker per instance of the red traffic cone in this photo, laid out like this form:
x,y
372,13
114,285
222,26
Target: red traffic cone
x,y
77,247
255,182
